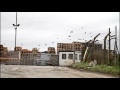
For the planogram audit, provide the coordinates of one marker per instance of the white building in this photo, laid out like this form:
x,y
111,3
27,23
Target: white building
x,y
67,58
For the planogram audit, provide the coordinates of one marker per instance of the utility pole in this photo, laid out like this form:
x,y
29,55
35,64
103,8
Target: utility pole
x,y
93,46
16,30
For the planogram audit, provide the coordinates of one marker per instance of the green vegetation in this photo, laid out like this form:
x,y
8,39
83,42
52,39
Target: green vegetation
x,y
113,70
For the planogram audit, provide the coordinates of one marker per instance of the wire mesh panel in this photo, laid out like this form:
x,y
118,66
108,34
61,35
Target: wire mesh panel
x,y
29,58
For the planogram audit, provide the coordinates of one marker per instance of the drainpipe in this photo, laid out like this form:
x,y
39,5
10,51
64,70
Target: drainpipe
x,y
74,58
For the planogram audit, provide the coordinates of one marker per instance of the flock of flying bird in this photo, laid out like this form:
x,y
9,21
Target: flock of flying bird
x,y
71,36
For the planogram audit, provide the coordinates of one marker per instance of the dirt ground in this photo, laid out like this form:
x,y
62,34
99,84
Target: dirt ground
x,y
21,71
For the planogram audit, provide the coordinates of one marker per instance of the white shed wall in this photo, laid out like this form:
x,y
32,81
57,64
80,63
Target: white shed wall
x,y
67,61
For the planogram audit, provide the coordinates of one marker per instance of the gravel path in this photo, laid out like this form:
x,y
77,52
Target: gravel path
x,y
21,71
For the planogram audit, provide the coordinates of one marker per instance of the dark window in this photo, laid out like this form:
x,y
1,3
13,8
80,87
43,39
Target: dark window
x,y
63,56
70,56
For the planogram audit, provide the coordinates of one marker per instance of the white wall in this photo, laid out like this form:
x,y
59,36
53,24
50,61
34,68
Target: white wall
x,y
67,61
78,58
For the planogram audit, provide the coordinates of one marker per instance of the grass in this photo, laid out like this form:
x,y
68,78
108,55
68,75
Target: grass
x,y
99,68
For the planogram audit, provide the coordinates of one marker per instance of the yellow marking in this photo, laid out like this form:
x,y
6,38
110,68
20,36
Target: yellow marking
x,y
7,58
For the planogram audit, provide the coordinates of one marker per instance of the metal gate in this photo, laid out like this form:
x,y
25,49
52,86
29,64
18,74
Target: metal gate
x,y
29,58
19,58
10,58
23,58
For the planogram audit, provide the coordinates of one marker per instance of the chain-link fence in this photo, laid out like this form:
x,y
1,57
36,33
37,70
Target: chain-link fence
x,y
102,57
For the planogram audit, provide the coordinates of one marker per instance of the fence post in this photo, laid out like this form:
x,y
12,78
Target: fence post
x,y
105,46
109,61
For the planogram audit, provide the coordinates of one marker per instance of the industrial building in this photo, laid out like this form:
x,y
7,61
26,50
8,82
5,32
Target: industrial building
x,y
75,46
64,47
3,51
51,50
34,50
18,48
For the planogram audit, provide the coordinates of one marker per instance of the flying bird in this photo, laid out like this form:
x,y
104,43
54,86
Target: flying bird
x,y
18,25
69,36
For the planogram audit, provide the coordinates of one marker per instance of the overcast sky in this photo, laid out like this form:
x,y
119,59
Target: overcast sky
x,y
46,29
